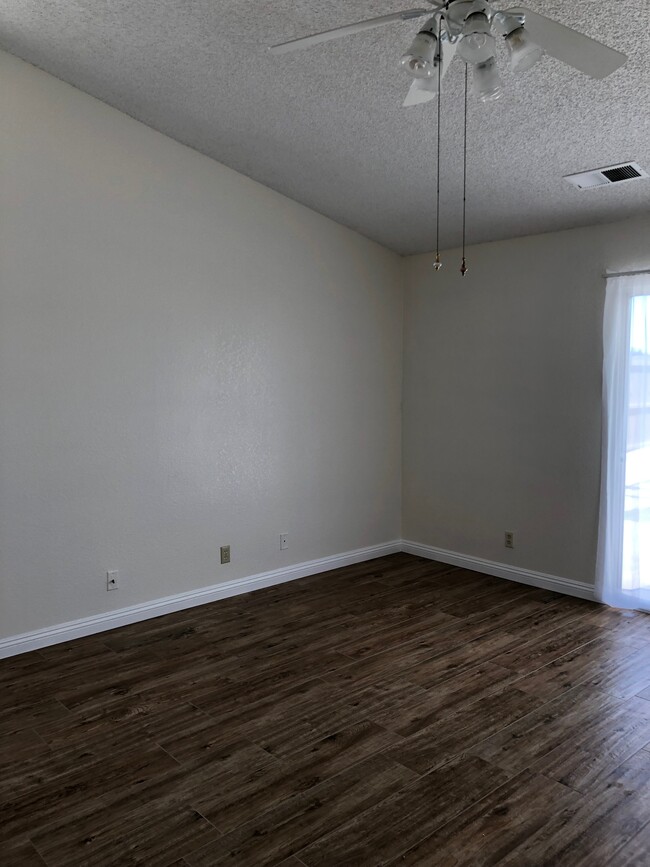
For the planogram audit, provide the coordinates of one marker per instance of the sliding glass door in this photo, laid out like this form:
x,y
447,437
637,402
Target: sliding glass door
x,y
623,571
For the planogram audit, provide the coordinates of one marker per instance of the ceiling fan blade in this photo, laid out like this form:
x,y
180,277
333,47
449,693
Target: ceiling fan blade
x,y
426,89
573,48
421,90
348,29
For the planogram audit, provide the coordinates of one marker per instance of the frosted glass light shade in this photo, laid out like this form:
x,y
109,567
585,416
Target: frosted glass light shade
x,y
487,82
419,60
477,43
523,53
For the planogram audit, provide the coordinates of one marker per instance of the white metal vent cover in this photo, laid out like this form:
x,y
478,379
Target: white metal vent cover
x,y
608,175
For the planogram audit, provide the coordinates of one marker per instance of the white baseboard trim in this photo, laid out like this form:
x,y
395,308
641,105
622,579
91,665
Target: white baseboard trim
x,y
502,570
16,644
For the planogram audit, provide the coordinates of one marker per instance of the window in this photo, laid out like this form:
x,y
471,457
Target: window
x,y
624,539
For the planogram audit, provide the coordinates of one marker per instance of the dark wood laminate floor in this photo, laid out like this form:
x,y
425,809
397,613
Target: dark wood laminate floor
x,y
396,712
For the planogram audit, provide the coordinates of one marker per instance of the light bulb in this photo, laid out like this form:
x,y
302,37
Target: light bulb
x,y
522,51
487,82
477,42
420,60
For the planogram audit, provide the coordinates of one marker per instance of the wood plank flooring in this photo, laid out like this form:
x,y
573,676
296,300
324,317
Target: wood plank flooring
x,y
397,712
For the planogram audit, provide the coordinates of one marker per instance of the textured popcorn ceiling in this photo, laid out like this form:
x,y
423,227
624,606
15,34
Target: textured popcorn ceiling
x,y
326,126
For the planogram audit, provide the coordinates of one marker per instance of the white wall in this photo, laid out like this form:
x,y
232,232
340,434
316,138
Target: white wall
x,y
187,359
502,396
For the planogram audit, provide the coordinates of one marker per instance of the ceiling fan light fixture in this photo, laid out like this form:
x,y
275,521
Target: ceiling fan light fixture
x,y
477,43
420,60
523,53
487,81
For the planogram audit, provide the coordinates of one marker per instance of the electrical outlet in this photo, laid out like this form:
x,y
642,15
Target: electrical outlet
x,y
225,554
112,582
509,539
284,541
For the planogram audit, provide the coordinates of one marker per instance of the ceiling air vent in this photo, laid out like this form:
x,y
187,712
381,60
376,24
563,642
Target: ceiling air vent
x,y
606,176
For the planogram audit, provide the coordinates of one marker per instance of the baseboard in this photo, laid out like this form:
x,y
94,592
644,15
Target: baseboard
x,y
61,632
16,644
502,570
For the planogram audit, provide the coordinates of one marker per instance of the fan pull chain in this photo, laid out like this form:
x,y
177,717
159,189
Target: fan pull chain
x,y
438,264
463,267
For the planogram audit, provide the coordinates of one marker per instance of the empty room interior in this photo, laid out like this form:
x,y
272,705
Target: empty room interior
x,y
324,433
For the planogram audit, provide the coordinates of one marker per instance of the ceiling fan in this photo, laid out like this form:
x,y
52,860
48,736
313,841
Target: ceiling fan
x,y
470,28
